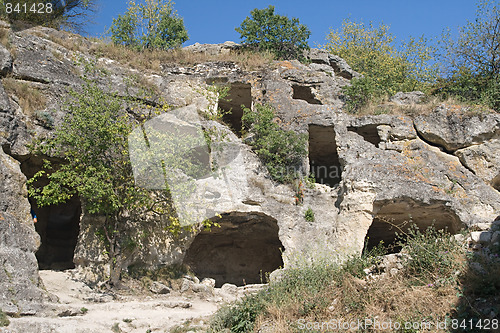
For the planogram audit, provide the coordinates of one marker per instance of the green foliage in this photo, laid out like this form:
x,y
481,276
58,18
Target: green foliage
x,y
152,25
309,215
265,30
355,265
432,255
239,317
4,321
387,67
472,61
93,140
282,151
71,15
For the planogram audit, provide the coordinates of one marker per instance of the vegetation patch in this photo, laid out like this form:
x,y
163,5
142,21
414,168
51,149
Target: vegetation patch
x,y
434,286
28,97
4,320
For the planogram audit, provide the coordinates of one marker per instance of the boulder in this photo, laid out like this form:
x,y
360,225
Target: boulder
x,y
453,128
159,288
339,65
484,160
408,98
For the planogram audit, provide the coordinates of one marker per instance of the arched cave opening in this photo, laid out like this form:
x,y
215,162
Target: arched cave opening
x,y
304,93
368,132
57,225
324,160
241,251
395,217
239,94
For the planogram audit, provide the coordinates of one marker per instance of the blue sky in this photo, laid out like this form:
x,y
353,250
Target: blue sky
x,y
209,21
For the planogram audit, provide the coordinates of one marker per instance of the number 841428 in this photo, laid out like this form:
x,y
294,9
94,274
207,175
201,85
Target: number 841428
x,y
35,8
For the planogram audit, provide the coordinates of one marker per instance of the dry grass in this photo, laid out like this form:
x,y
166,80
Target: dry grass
x,y
4,37
435,285
29,98
389,299
152,60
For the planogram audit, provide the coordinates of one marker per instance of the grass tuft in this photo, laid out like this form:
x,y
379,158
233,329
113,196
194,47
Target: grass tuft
x,y
435,286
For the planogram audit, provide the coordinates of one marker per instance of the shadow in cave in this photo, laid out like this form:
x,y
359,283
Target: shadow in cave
x,y
324,162
57,225
241,251
239,94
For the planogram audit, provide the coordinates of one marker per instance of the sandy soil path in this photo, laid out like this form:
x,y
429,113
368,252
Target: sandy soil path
x,y
82,310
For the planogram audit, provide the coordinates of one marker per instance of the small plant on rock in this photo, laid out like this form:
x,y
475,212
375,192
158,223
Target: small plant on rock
x,y
309,215
4,321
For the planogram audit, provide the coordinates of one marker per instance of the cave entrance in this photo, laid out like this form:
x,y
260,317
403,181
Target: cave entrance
x,y
239,94
304,93
58,225
368,132
324,160
241,251
397,216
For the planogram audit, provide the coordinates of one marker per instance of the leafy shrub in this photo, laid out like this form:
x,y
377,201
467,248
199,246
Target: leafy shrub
x,y
387,67
282,151
472,60
309,215
239,317
153,25
432,254
265,30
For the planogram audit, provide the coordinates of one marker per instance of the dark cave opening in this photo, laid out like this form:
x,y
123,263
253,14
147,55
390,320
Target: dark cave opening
x,y
495,183
304,93
239,94
241,251
368,132
324,160
57,225
394,218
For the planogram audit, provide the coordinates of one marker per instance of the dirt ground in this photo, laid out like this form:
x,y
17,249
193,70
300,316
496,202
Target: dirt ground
x,y
80,309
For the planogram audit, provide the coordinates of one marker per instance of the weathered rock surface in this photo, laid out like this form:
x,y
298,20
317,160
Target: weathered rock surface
x,y
19,282
454,129
368,169
408,98
338,64
483,160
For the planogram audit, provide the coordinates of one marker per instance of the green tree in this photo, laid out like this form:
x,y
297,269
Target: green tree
x,y
472,61
151,25
72,15
387,67
265,30
93,140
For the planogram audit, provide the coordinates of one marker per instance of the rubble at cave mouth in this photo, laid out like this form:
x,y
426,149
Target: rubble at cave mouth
x,y
241,251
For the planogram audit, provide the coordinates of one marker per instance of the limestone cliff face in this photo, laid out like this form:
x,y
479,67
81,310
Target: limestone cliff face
x,y
440,168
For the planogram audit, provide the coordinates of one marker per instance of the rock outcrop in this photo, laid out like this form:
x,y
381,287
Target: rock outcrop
x,y
440,168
